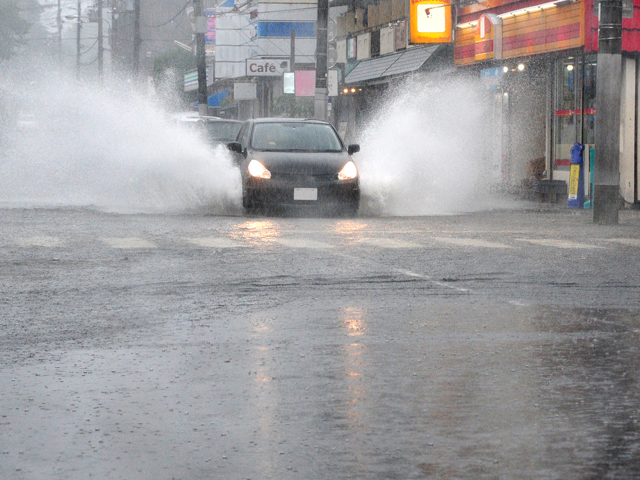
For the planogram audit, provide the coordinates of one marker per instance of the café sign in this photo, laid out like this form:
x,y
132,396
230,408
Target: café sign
x,y
263,67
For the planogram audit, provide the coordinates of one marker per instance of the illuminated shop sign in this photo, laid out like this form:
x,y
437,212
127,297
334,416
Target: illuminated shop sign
x,y
430,21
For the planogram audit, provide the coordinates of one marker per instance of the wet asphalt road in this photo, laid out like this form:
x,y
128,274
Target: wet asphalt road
x,y
501,345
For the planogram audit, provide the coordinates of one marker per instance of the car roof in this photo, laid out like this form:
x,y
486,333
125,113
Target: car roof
x,y
287,120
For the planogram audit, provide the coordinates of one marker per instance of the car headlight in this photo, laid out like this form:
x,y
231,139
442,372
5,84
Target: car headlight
x,y
256,169
348,172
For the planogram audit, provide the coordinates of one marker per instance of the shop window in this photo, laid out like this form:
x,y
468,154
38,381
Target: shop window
x,y
589,101
567,111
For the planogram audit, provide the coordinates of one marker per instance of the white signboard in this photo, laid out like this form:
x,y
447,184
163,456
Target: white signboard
x,y
289,83
387,40
341,48
364,46
332,83
260,67
244,91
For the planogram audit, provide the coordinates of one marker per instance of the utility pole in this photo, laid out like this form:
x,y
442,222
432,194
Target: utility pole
x,y
59,23
292,55
201,29
136,39
606,175
320,103
100,44
78,42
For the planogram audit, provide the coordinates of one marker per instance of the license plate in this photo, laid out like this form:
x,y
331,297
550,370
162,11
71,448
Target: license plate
x,y
305,194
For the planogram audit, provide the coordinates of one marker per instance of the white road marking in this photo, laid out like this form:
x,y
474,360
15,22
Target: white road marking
x,y
49,242
131,242
214,242
551,242
390,243
303,243
632,242
471,242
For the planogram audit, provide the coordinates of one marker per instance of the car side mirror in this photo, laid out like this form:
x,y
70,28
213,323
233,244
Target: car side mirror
x,y
235,147
355,148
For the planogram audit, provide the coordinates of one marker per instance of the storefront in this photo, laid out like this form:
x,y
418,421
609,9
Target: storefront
x,y
540,62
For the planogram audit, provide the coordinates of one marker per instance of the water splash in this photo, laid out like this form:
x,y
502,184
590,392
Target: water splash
x,y
112,150
424,151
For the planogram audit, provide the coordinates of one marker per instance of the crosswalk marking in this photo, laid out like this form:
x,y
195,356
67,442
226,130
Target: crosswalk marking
x,y
49,242
129,242
471,242
214,242
552,242
310,243
303,243
389,243
632,242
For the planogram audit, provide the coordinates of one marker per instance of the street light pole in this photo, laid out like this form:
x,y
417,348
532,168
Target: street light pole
x,y
606,175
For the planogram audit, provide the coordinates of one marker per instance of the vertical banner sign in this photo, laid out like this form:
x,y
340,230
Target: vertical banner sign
x,y
430,21
576,178
210,36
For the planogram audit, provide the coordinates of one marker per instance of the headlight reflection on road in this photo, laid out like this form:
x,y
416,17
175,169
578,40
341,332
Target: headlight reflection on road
x,y
353,321
256,232
355,359
350,229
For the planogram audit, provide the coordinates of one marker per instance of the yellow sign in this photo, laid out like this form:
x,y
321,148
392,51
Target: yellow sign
x,y
430,21
574,180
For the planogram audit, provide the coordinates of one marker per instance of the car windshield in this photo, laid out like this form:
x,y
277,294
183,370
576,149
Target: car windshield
x,y
293,136
222,131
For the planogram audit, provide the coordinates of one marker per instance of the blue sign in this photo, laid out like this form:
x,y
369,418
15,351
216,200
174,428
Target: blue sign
x,y
491,77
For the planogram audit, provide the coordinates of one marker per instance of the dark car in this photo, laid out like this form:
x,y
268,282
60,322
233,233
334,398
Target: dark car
x,y
296,164
213,130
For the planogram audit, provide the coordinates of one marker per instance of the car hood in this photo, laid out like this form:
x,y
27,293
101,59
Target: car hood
x,y
302,163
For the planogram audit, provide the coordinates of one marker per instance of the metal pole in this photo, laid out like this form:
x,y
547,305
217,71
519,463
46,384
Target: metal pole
x,y
606,176
136,38
78,37
320,103
100,44
201,29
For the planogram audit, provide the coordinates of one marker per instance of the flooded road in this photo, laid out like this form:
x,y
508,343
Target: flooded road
x,y
489,345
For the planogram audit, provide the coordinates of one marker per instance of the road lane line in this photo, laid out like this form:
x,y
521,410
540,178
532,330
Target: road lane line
x,y
551,242
214,242
129,242
471,242
303,243
48,242
390,243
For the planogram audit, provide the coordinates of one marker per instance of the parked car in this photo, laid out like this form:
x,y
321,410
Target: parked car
x,y
213,130
296,164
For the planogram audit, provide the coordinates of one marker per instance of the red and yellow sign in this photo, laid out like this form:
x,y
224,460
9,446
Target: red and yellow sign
x,y
430,21
488,38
